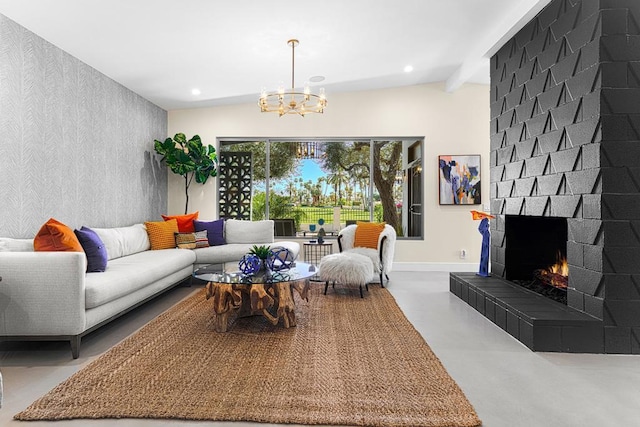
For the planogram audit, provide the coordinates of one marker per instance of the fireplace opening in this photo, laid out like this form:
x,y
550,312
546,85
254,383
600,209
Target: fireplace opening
x,y
536,254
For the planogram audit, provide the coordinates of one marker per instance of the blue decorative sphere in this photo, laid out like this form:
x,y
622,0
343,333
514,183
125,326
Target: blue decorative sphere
x,y
250,264
280,259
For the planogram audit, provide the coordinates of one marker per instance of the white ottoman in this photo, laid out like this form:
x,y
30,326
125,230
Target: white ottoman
x,y
346,268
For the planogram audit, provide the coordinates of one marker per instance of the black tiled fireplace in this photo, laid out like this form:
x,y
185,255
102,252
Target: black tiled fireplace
x,y
565,148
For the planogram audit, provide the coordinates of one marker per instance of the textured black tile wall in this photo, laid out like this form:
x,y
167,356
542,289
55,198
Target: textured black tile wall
x,y
565,142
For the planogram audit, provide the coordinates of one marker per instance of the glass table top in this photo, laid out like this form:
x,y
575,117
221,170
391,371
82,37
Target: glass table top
x,y
213,273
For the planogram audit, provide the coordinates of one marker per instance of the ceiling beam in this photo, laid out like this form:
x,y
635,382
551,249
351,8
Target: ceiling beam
x,y
493,41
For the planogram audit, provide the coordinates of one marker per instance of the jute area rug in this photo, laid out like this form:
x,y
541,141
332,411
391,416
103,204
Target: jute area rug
x,y
349,361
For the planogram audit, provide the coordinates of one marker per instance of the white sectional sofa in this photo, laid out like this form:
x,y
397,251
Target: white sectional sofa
x,y
49,296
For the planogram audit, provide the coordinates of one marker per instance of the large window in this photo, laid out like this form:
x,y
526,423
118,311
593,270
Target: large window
x,y
308,184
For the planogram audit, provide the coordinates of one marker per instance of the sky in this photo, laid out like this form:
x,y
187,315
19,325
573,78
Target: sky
x,y
310,171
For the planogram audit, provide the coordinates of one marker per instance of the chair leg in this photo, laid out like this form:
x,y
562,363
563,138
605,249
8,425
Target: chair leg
x,y
381,281
326,285
367,286
361,295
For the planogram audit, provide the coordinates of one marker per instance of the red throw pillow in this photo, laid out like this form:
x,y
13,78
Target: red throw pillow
x,y
55,236
185,222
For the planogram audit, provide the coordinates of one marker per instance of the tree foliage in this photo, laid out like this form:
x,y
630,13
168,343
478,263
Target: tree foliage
x,y
190,159
283,162
279,207
354,159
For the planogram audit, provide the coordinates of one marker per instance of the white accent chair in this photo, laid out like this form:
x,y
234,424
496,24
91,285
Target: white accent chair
x,y
382,257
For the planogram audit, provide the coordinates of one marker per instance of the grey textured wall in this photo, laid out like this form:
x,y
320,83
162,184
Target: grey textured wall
x,y
74,144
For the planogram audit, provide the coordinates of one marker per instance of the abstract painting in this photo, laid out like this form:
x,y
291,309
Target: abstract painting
x,y
459,179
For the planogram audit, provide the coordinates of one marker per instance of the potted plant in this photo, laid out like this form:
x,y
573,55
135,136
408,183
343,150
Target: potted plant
x,y
190,159
263,252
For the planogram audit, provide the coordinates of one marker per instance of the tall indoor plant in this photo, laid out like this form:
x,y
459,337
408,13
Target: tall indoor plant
x,y
189,159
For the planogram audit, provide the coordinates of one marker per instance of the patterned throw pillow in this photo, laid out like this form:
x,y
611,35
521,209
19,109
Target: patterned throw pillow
x,y
185,222
55,236
185,240
161,234
202,240
367,234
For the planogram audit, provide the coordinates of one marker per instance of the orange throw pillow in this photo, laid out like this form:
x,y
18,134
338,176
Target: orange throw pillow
x,y
367,234
161,234
55,236
185,222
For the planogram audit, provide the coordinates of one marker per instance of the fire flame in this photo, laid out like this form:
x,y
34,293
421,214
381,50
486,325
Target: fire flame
x,y
556,275
561,267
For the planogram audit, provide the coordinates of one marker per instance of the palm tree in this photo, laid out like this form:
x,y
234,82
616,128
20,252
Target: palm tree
x,y
337,179
291,188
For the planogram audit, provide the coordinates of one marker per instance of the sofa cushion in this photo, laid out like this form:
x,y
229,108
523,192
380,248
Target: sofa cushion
x,y
128,274
237,231
214,229
55,236
123,241
162,234
232,252
185,222
94,249
8,244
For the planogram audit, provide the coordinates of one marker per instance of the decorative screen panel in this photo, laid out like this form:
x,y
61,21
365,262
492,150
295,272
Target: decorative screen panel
x,y
235,185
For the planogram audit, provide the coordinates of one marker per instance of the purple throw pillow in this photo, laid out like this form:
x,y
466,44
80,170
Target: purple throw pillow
x,y
215,231
94,249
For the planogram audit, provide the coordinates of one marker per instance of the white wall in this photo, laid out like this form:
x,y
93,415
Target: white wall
x,y
451,123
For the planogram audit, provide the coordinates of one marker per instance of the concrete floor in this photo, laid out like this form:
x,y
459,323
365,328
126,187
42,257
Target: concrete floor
x,y
507,383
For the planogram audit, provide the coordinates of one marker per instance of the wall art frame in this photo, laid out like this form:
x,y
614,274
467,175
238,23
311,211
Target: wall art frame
x,y
459,179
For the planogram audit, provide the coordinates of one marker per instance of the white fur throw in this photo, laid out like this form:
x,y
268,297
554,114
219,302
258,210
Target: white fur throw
x,y
346,268
348,237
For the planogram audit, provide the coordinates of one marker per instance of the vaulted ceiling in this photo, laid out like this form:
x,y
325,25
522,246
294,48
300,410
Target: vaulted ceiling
x,y
230,50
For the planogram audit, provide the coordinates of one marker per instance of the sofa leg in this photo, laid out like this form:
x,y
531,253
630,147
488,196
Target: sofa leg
x,y
75,346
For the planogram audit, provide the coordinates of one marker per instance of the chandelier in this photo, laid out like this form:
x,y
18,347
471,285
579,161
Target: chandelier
x,y
290,101
307,150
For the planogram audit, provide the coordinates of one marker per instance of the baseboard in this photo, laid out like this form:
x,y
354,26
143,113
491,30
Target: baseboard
x,y
436,266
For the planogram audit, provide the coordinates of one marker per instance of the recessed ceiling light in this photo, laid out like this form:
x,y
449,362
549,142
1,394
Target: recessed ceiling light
x,y
316,79
195,91
408,69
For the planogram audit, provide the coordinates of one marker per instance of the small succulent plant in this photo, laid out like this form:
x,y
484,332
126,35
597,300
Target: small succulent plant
x,y
262,251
